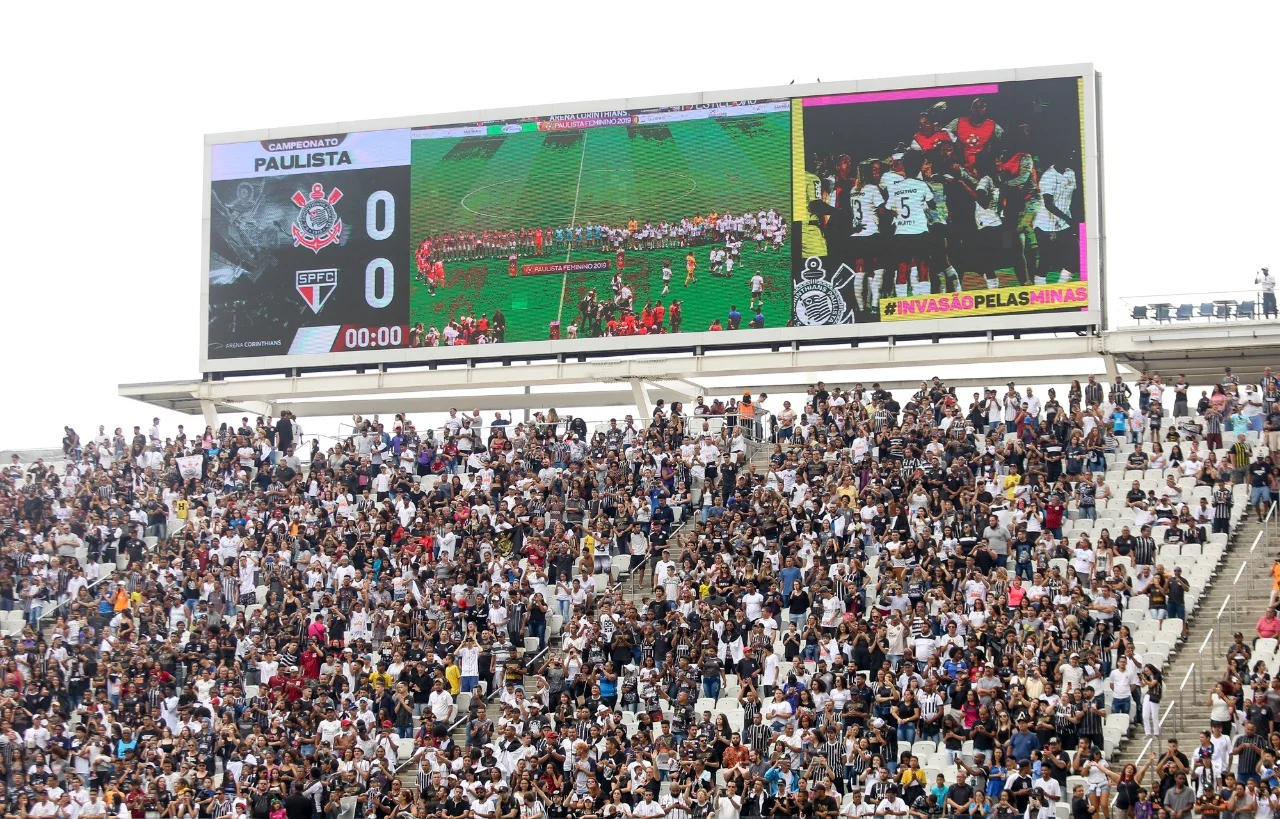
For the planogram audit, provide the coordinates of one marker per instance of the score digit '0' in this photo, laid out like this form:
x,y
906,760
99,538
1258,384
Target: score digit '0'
x,y
380,265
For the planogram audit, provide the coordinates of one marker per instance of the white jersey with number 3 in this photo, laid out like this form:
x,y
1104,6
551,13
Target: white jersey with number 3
x,y
864,204
908,200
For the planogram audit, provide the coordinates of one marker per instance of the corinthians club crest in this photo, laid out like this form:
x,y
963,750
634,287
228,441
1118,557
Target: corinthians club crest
x,y
317,223
817,300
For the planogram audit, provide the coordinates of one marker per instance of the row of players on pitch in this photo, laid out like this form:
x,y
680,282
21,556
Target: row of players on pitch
x,y
968,194
766,228
599,319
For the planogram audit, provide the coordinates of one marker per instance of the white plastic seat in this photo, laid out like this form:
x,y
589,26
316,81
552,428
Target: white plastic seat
x,y
1120,722
938,761
619,565
924,749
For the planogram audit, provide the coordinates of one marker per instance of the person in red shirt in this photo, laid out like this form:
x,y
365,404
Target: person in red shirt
x,y
286,684
310,661
423,258
646,316
1053,514
976,132
136,800
659,312
928,134
715,326
537,241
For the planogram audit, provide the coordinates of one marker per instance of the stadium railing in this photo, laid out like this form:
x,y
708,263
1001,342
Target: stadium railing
x,y
1210,307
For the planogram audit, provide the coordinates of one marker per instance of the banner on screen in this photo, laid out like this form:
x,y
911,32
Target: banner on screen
x,y
986,302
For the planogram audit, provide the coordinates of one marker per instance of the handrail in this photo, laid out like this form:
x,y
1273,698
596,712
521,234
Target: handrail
x,y
1266,521
66,603
1223,607
53,610
1173,706
413,757
1151,740
1207,637
1187,677
1240,571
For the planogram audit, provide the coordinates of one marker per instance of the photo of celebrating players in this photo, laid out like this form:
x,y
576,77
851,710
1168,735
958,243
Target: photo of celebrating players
x,y
590,227
958,190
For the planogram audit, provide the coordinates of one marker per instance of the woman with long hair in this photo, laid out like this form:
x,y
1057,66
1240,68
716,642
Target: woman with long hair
x,y
1153,691
1127,783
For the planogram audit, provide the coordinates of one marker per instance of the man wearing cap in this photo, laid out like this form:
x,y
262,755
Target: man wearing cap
x,y
1023,741
441,706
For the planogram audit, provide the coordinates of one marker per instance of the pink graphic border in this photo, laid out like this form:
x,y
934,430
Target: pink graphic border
x,y
912,94
1084,253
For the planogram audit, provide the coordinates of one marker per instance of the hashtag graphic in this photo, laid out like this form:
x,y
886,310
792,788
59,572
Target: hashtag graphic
x,y
890,309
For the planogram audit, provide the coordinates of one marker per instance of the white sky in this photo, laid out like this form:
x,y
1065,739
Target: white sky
x,y
106,108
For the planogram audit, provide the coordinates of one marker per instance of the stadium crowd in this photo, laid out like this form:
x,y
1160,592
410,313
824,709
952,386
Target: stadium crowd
x,y
239,622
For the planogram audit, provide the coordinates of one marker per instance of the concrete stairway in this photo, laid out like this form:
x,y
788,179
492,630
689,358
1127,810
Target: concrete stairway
x,y
1199,663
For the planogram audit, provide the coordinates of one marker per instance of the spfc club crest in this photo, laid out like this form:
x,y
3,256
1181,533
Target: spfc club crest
x,y
316,286
317,223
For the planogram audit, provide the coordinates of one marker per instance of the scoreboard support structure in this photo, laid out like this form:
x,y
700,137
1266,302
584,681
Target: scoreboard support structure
x,y
639,382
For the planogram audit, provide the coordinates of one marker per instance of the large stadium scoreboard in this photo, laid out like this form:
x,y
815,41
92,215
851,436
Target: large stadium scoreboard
x,y
811,213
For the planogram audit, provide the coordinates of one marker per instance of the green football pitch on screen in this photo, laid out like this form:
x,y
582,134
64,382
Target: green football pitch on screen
x,y
596,176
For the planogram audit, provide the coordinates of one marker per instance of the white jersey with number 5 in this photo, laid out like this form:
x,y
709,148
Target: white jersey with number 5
x,y
864,204
908,200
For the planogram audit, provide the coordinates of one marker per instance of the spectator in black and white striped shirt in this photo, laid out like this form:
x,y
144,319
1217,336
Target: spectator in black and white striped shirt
x,y
930,703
